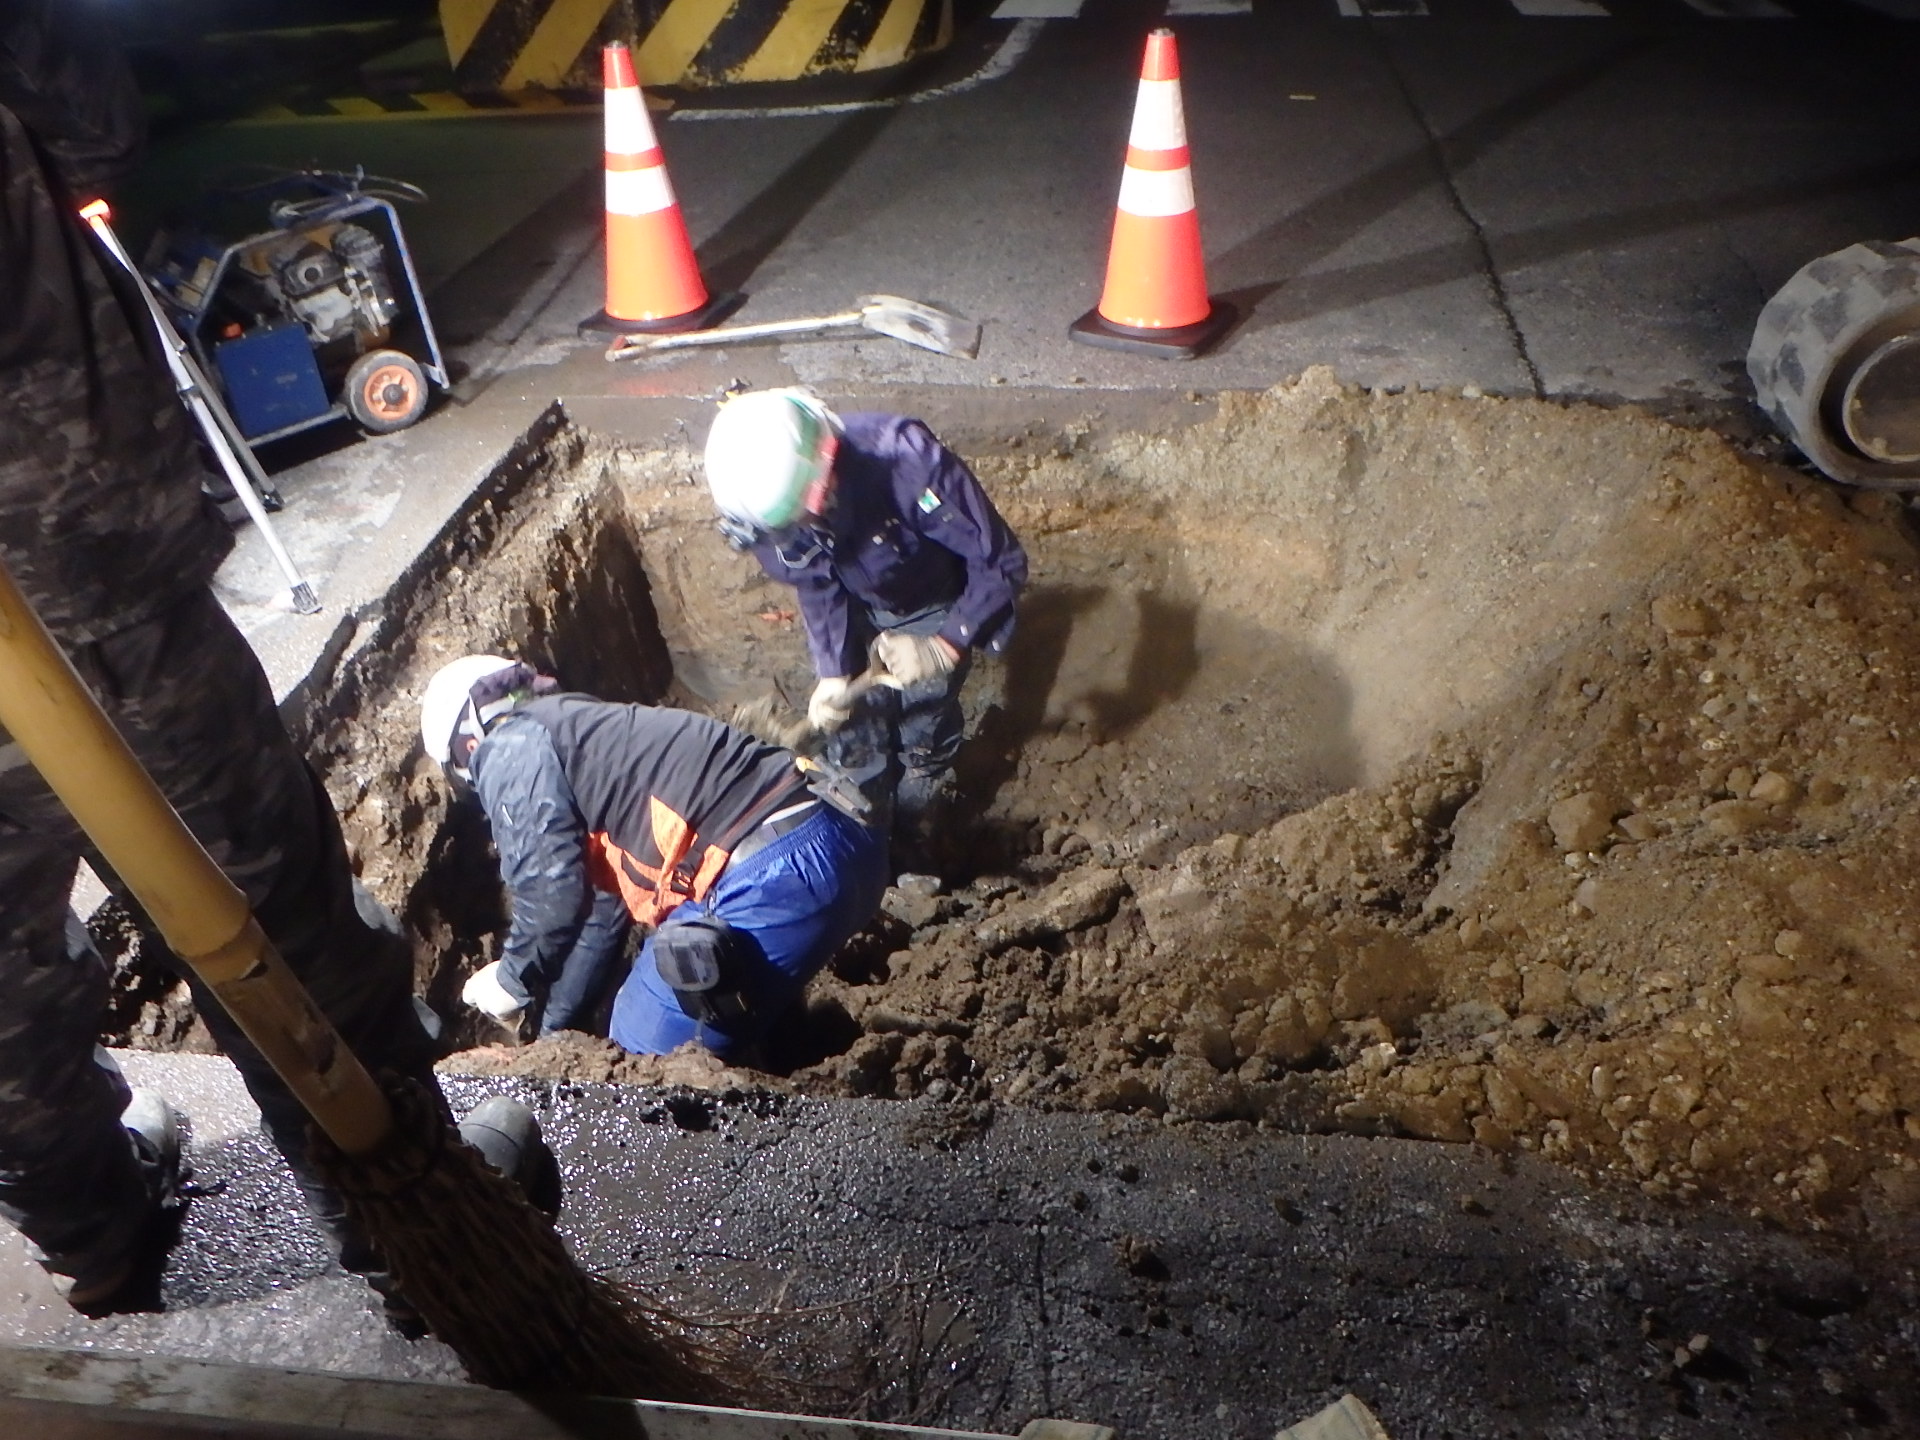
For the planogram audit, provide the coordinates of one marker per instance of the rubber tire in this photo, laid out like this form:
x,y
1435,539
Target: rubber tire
x,y
1816,332
368,391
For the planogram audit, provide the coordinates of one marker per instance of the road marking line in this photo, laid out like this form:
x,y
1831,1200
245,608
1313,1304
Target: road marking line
x,y
1209,7
556,42
1037,10
1741,9
1560,8
358,105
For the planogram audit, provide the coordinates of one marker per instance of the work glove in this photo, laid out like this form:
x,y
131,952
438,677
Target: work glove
x,y
831,704
484,991
911,659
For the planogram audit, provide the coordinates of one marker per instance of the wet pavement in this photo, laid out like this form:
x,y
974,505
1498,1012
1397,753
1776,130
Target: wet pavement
x,y
978,1267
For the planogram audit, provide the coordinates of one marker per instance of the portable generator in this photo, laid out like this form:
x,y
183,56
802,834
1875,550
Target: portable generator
x,y
317,318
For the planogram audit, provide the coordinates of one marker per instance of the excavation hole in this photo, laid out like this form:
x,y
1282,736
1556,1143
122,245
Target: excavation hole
x,y
1467,769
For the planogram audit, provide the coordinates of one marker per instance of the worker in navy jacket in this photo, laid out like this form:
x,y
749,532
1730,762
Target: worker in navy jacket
x,y
605,814
899,560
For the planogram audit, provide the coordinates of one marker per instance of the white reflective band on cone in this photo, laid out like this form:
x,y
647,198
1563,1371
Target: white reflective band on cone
x,y
1158,121
1156,192
629,129
641,192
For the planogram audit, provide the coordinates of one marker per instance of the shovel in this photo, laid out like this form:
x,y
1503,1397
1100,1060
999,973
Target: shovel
x,y
930,328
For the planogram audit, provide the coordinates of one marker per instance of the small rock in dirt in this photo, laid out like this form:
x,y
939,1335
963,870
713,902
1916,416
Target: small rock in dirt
x,y
1733,818
1229,847
1545,989
1768,969
1773,788
912,909
1639,827
1581,822
1681,618
915,884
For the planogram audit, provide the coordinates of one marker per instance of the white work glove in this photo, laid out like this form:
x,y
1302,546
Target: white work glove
x,y
911,659
484,991
830,706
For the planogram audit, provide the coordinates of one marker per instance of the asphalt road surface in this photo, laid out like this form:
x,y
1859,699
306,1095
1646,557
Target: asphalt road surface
x,y
977,1267
1564,197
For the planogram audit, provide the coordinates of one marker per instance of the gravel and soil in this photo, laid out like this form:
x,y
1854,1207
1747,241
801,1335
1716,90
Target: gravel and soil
x,y
1481,770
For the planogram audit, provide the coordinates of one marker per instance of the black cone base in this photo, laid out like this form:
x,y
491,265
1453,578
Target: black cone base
x,y
1181,342
706,317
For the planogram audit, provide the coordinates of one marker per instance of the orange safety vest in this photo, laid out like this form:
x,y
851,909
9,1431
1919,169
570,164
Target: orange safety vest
x,y
666,795
651,892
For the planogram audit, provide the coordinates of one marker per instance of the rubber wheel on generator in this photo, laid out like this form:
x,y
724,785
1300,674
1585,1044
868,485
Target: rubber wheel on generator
x,y
385,391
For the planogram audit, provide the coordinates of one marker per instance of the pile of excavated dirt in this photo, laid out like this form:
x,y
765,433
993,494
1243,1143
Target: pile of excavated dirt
x,y
1478,770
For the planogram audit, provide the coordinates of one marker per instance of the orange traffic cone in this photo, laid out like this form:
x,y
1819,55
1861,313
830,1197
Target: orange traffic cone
x,y
1155,299
653,281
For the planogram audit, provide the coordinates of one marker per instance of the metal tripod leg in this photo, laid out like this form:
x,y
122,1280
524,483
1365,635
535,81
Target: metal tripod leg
x,y
223,437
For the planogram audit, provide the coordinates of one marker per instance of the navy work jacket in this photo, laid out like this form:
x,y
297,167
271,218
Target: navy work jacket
x,y
909,532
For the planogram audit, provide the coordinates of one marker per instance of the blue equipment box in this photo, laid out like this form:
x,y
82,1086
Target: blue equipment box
x,y
271,378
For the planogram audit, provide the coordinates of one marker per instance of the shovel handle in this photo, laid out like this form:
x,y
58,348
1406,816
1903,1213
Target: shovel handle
x,y
628,345
55,720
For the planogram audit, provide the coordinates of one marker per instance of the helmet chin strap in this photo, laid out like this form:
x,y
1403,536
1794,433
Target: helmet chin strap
x,y
474,722
820,490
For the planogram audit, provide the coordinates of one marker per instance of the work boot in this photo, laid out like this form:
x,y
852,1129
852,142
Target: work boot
x,y
922,815
130,1281
506,1133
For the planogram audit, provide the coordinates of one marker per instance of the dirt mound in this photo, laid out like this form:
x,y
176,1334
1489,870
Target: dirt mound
x,y
1469,769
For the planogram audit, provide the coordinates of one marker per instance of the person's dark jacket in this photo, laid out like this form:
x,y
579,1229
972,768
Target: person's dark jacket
x,y
910,531
574,789
102,519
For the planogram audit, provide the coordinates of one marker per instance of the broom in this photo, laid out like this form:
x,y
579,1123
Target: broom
x,y
487,1272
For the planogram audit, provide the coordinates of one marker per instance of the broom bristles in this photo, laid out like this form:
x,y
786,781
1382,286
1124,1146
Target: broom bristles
x,y
492,1278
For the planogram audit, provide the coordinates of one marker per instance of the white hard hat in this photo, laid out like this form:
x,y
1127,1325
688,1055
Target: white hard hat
x,y
446,696
766,449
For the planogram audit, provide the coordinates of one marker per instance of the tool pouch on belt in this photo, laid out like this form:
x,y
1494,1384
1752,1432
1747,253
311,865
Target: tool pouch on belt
x,y
702,961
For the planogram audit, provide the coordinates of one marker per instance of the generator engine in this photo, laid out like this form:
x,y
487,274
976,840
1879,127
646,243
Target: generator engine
x,y
317,317
335,284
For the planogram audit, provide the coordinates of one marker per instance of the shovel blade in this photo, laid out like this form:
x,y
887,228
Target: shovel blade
x,y
926,326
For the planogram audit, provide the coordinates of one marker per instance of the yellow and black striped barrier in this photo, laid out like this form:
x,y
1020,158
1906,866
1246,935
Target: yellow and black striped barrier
x,y
429,105
512,45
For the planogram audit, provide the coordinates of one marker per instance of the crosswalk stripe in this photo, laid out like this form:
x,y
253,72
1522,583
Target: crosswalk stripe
x,y
1560,8
1209,7
1037,10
